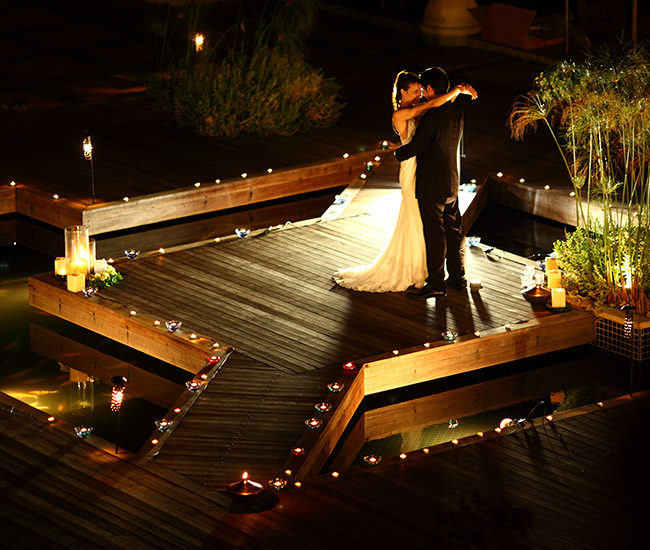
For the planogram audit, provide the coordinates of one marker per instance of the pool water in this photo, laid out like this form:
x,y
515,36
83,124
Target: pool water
x,y
65,371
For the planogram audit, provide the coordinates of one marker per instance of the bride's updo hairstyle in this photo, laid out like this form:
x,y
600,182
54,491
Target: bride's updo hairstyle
x,y
402,82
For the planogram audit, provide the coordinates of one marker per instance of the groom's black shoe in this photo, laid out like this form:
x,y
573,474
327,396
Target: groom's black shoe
x,y
457,284
427,291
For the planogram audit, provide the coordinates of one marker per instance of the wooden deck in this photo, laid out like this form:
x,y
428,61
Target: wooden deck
x,y
577,482
270,298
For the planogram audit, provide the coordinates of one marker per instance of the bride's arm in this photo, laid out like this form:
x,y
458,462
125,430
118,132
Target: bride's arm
x,y
406,113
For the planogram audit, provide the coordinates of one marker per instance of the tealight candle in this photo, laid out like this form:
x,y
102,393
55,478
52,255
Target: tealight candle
x,y
76,282
78,265
558,297
554,277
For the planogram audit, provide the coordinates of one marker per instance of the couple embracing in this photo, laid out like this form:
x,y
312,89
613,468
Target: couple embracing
x,y
428,228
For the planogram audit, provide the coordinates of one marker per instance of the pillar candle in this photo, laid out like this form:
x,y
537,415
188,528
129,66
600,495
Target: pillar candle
x,y
61,267
78,266
551,263
558,297
100,265
76,282
554,278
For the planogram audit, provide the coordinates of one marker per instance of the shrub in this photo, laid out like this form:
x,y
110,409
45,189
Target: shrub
x,y
268,92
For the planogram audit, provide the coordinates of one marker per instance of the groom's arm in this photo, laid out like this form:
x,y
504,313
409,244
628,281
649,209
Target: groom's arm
x,y
425,134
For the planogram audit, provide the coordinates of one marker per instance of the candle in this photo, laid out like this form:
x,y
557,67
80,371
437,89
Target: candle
x,y
245,487
554,277
76,282
100,265
558,297
551,263
78,266
60,267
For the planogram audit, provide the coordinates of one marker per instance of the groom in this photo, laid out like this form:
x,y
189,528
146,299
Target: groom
x,y
436,145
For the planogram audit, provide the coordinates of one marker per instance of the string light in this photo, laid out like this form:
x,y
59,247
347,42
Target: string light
x,y
51,418
288,472
402,456
547,187
156,322
572,194
244,175
197,184
480,434
335,474
549,418
426,344
454,441
13,184
269,170
395,351
133,312
363,176
377,158
298,484
521,180
154,442
161,250
499,174
298,451
55,197
177,410
425,450
345,155
217,181
125,199
193,336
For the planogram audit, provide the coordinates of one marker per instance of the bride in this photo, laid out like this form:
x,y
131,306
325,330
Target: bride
x,y
402,262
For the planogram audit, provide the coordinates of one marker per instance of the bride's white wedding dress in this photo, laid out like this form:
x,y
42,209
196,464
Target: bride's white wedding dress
x,y
402,262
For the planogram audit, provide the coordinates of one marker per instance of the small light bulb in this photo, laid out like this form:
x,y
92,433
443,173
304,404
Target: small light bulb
x,y
193,336
547,187
197,184
345,155
156,322
426,344
549,418
154,441
298,484
363,176
425,450
244,175
472,180
480,434
572,194
177,410
521,180
55,196
13,184
161,250
335,474
126,199
377,158
217,181
395,351
269,170
402,456
499,174
133,312
288,472
454,441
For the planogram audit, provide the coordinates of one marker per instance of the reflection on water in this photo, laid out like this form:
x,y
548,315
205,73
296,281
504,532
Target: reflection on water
x,y
65,370
422,416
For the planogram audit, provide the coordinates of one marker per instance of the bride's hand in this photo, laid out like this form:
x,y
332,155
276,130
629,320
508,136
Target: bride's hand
x,y
469,90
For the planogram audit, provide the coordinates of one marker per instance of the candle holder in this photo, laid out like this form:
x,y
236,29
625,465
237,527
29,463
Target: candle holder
x,y
449,336
349,366
89,291
83,431
335,387
372,460
193,385
77,249
313,423
298,451
131,254
278,483
173,325
163,425
245,488
214,359
323,407
536,294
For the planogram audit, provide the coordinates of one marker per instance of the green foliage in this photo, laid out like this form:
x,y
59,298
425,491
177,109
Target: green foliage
x,y
268,92
108,277
597,112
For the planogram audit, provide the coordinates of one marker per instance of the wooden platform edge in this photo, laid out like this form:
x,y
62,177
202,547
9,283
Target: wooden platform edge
x,y
430,362
220,195
114,321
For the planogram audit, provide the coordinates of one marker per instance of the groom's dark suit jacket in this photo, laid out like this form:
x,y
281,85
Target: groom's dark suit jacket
x,y
435,144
